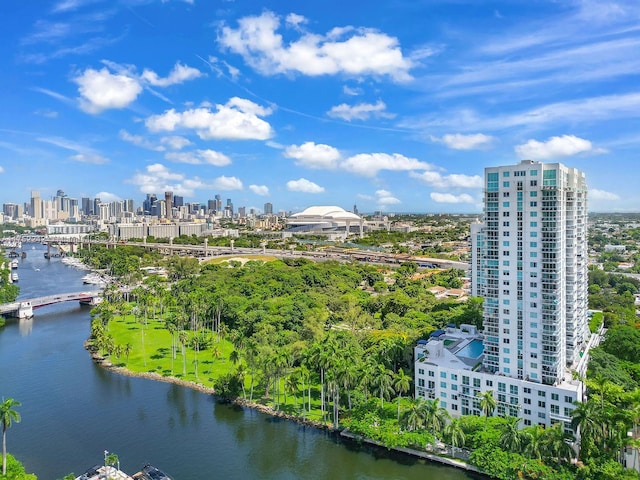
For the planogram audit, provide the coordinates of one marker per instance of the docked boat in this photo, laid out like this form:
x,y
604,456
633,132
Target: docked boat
x,y
14,277
149,472
14,264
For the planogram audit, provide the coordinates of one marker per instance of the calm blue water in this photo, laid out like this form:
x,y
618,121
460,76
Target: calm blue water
x,y
472,350
73,410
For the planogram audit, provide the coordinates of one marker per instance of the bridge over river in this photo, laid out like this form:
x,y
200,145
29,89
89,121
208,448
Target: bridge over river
x,y
24,308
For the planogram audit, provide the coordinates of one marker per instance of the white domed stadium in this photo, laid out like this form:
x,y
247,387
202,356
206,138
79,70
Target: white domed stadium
x,y
325,220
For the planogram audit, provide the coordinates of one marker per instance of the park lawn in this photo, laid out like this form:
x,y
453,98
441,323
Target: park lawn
x,y
155,357
243,258
155,354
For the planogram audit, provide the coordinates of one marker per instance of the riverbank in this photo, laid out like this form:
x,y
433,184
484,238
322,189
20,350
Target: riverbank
x,y
265,409
107,365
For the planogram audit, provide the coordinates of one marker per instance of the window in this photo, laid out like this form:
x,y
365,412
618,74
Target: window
x,y
534,345
533,264
505,174
507,360
533,183
454,377
505,243
533,284
541,393
421,382
465,380
513,389
505,263
567,412
506,350
505,233
505,194
443,374
534,254
533,244
443,384
541,415
489,383
443,394
506,370
534,365
502,398
555,396
533,224
527,400
555,409
534,234
502,387
568,399
541,404
527,411
476,382
505,184
432,373
421,371
533,204
505,214
526,390
505,224
505,204
454,387
533,214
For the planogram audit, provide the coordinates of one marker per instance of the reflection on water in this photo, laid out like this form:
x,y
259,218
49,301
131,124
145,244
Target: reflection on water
x,y
26,326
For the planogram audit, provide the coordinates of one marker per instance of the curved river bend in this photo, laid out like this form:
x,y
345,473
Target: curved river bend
x,y
73,410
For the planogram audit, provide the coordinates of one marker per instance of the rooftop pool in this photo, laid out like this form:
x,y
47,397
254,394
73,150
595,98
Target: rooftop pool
x,y
473,349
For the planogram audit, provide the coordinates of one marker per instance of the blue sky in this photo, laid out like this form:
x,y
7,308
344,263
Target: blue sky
x,y
393,105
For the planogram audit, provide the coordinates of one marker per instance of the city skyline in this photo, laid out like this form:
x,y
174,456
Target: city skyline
x,y
398,107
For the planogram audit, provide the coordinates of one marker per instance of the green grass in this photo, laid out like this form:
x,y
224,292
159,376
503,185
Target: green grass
x,y
155,357
595,321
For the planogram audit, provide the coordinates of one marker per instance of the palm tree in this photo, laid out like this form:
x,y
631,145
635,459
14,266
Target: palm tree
x,y
557,443
435,416
383,383
182,338
455,434
234,356
534,445
292,385
587,418
512,438
401,384
8,415
487,403
414,418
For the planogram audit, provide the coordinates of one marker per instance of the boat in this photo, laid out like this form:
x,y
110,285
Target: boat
x,y
149,472
14,277
14,264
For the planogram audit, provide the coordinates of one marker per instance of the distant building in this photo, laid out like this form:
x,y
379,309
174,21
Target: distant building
x,y
268,208
325,220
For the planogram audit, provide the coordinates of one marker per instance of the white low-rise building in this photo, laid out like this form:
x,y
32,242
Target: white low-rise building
x,y
449,367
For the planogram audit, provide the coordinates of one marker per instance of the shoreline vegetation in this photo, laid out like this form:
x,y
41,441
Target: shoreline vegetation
x,y
327,344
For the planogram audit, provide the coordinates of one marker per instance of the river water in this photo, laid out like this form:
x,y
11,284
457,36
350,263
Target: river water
x,y
72,411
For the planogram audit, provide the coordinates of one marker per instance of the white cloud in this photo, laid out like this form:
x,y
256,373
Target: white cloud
x,y
175,142
89,157
83,153
313,155
179,74
364,196
455,180
1,169
351,91
304,185
227,183
554,147
199,157
451,198
236,120
107,197
385,198
295,20
139,141
458,141
369,164
158,178
360,111
101,90
347,50
595,194
262,190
